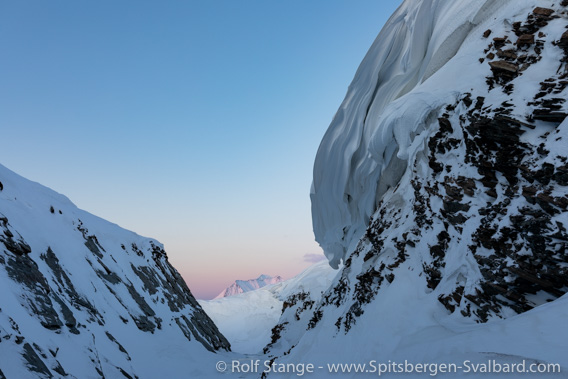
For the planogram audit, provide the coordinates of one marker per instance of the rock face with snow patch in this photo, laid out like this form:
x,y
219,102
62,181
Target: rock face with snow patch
x,y
441,183
85,298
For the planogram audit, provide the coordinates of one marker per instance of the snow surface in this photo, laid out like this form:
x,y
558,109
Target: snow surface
x,y
241,286
411,331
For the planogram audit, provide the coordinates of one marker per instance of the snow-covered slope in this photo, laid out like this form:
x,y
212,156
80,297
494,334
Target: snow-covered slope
x,y
248,319
84,298
442,184
241,286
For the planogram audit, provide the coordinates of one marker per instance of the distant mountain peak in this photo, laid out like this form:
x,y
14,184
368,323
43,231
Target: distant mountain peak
x,y
241,286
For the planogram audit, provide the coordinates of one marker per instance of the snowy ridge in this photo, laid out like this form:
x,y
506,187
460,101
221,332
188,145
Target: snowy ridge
x,y
241,286
82,297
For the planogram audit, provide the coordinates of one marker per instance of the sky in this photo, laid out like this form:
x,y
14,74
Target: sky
x,y
192,122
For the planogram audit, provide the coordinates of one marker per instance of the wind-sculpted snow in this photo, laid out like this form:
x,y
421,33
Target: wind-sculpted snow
x,y
82,297
363,152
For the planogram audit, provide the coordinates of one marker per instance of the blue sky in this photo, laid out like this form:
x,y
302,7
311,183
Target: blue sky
x,y
193,122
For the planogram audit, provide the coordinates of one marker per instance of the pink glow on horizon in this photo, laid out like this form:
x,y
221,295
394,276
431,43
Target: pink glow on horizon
x,y
212,262
207,282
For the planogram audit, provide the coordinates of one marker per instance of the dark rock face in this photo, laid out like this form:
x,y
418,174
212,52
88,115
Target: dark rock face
x,y
504,70
34,362
24,271
13,244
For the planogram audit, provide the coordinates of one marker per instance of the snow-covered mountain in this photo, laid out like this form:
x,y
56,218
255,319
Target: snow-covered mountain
x,y
441,184
242,286
247,319
81,297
